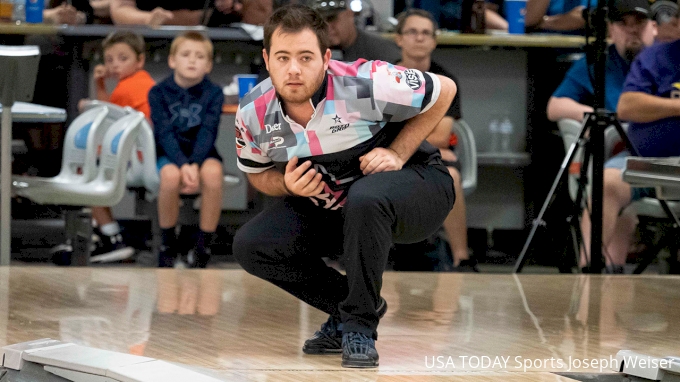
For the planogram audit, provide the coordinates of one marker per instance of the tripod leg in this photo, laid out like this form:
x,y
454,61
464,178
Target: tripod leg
x,y
549,199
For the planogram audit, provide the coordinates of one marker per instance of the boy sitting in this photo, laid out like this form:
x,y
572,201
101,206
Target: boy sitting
x,y
185,111
124,61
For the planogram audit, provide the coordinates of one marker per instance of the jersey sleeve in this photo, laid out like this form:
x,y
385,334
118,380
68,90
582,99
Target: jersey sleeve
x,y
400,93
251,158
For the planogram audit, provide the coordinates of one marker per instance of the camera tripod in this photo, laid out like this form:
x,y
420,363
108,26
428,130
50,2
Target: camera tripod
x,y
591,138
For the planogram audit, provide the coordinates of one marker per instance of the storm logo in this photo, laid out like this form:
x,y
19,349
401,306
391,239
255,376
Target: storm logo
x,y
675,92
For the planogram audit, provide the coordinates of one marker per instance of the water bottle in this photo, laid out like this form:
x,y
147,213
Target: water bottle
x,y
34,11
494,130
19,11
506,134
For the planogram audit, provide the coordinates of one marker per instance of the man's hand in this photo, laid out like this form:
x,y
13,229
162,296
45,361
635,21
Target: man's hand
x,y
62,14
302,180
99,73
159,16
189,182
228,6
380,160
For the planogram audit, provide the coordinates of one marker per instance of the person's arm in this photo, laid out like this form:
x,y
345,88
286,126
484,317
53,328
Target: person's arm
x,y
416,129
186,17
565,107
572,20
441,134
495,21
269,182
125,12
207,134
101,8
536,9
163,132
299,180
642,107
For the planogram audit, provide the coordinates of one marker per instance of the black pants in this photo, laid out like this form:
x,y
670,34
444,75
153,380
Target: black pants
x,y
284,244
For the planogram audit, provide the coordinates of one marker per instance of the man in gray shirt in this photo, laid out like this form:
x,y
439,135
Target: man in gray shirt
x,y
352,41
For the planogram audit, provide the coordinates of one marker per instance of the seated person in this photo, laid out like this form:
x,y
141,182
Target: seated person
x,y
175,12
185,110
76,12
124,61
557,15
447,14
651,102
416,37
630,31
354,43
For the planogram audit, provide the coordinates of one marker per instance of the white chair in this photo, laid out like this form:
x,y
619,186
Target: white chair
x,y
79,161
142,171
466,149
108,187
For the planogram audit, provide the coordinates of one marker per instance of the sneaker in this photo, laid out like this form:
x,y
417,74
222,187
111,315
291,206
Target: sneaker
x,y
328,339
199,259
61,254
467,266
111,249
166,256
358,350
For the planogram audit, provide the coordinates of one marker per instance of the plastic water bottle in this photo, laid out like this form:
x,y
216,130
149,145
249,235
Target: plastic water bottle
x,y
19,11
506,129
494,131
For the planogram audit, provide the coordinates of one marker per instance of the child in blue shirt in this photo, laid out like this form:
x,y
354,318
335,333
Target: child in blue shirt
x,y
185,111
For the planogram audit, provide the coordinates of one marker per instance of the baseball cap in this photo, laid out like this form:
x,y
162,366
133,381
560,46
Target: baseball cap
x,y
619,8
328,8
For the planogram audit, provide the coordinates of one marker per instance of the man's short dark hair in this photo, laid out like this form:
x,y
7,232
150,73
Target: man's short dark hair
x,y
129,38
401,18
295,18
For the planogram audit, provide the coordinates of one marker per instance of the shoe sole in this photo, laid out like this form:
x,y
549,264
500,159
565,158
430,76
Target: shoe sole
x,y
360,364
321,351
116,255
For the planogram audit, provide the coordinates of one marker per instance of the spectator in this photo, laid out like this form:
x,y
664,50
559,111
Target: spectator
x,y
557,15
416,32
123,60
174,12
354,42
630,30
650,101
185,110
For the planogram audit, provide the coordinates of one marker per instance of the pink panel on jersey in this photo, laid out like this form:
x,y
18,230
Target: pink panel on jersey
x,y
261,105
345,69
314,144
330,91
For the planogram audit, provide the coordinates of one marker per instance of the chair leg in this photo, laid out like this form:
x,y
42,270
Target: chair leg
x,y
79,232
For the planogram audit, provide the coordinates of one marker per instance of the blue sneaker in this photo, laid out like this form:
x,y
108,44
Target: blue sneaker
x,y
358,351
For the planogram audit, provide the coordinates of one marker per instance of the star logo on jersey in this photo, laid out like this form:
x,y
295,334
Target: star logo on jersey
x,y
337,119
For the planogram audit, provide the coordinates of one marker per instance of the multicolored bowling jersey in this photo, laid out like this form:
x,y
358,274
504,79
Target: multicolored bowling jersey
x,y
359,106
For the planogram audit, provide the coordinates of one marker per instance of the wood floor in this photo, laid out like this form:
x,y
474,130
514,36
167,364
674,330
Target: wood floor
x,y
439,326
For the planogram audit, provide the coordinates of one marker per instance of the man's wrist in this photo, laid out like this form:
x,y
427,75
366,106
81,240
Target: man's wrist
x,y
288,191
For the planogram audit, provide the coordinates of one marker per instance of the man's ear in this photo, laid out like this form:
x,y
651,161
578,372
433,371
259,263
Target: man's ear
x,y
265,56
326,59
171,61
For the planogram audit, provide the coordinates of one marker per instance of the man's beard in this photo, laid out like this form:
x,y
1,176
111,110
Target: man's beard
x,y
632,50
302,97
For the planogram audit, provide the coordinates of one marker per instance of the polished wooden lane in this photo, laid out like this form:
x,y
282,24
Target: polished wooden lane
x,y
438,326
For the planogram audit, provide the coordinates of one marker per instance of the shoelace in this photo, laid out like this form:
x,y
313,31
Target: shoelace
x,y
329,327
358,343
